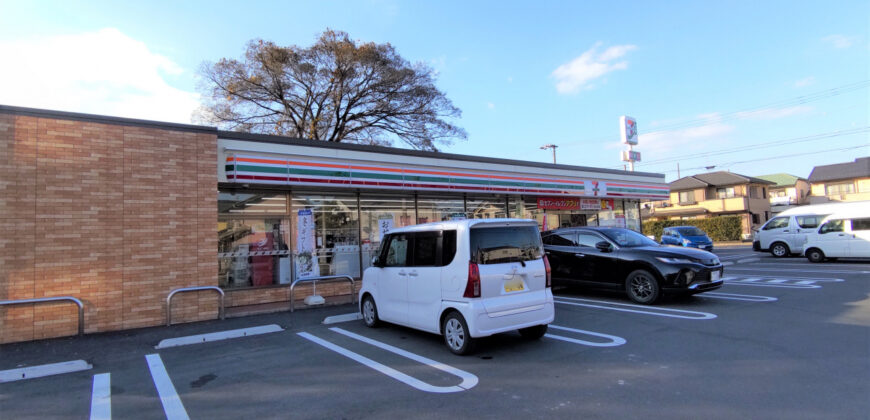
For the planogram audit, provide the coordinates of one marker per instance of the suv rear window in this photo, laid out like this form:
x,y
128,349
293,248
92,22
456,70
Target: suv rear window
x,y
495,245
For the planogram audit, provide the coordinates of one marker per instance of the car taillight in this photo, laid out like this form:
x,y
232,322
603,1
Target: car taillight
x,y
472,287
547,269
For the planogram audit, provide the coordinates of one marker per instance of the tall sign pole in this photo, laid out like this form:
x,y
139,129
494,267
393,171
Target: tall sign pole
x,y
628,134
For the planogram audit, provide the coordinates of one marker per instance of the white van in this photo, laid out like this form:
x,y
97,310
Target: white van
x,y
786,233
462,279
842,235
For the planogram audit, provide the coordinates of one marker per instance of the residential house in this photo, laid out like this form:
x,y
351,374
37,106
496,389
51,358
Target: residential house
x,y
848,181
716,194
787,192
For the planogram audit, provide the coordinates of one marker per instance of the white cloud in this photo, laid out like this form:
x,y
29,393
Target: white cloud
x,y
839,41
490,105
806,81
578,74
774,113
103,72
657,143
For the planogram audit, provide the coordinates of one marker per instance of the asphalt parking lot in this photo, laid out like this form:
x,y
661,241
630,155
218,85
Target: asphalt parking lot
x,y
782,339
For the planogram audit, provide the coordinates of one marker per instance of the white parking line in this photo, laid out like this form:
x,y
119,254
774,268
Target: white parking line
x,y
799,270
172,405
39,371
645,310
101,397
468,380
758,281
217,336
614,340
733,296
335,319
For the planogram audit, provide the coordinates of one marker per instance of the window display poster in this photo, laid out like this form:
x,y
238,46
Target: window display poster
x,y
385,223
306,259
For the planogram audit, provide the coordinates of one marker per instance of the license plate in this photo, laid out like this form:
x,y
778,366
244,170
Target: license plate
x,y
513,285
714,276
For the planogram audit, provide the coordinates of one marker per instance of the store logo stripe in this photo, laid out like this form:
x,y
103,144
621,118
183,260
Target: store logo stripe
x,y
653,187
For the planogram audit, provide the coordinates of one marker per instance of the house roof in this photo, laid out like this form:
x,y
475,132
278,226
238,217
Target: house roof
x,y
860,168
714,179
781,179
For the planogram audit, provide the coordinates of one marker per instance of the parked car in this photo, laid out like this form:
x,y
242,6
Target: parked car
x,y
785,234
623,259
840,235
462,279
688,236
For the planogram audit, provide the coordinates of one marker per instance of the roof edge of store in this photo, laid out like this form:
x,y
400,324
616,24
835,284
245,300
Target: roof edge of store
x,y
275,139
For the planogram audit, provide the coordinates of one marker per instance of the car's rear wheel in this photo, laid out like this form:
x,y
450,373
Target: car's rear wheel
x,y
815,255
642,287
456,335
779,250
370,312
533,333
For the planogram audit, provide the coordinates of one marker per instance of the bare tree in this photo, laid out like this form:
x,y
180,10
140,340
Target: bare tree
x,y
336,90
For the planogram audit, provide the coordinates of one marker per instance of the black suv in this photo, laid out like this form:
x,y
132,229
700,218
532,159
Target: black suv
x,y
624,259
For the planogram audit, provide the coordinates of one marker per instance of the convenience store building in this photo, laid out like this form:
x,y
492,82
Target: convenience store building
x,y
120,212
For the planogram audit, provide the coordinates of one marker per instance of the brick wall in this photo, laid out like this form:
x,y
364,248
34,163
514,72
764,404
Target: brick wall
x,y
114,214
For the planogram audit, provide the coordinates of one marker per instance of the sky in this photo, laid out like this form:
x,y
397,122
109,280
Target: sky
x,y
747,86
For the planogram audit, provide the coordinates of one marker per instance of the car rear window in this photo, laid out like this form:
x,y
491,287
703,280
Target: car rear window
x,y
495,245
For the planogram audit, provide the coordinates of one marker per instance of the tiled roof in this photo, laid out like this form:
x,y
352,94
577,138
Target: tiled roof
x,y
781,179
860,168
714,179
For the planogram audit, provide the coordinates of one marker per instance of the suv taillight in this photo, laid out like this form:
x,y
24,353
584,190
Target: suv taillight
x,y
472,287
547,269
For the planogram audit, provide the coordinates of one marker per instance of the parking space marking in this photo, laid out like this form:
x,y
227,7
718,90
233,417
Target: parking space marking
x,y
217,336
468,380
335,319
734,257
787,270
172,405
786,283
645,310
733,296
101,397
614,340
39,371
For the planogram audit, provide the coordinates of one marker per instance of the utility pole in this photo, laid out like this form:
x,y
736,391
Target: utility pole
x,y
678,170
551,146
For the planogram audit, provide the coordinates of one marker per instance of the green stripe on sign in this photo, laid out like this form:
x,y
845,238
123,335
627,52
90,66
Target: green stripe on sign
x,y
261,169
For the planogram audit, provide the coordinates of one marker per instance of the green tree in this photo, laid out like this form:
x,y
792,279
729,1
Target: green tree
x,y
337,90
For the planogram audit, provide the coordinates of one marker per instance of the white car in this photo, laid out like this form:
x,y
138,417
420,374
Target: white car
x,y
840,235
463,279
785,234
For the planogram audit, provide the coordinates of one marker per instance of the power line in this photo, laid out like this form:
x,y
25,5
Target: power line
x,y
772,158
744,113
793,140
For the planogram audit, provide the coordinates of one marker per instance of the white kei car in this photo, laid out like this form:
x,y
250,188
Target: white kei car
x,y
463,279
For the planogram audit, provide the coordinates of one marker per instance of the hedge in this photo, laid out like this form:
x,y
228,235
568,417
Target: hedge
x,y
719,228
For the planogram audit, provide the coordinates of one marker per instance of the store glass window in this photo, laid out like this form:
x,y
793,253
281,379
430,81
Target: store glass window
x,y
485,207
632,214
240,203
378,214
439,208
253,235
253,252
325,235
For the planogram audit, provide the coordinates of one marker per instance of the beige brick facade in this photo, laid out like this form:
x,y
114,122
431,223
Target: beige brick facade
x,y
115,214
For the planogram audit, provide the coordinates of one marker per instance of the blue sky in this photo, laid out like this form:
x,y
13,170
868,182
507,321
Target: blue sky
x,y
700,77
